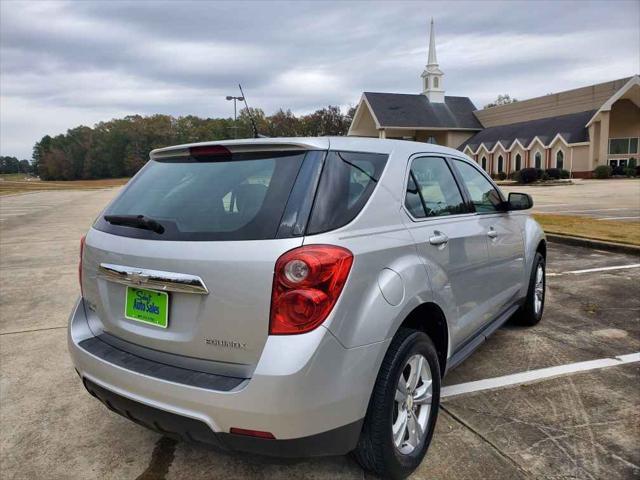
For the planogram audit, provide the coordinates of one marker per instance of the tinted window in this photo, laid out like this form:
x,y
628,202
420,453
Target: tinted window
x,y
432,191
242,197
484,196
347,181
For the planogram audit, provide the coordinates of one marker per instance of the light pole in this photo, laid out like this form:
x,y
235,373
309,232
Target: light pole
x,y
235,120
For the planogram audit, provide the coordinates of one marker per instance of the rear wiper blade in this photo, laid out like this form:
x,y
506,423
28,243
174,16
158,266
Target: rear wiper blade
x,y
136,221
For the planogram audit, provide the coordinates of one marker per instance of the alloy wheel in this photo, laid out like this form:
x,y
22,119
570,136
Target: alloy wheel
x,y
538,291
412,404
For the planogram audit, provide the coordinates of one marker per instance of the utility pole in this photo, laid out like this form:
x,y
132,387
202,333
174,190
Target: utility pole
x,y
235,114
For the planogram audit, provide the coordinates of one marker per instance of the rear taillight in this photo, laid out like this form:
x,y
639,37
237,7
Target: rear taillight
x,y
80,263
306,285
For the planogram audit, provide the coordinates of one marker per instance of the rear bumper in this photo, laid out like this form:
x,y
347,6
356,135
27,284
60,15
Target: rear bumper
x,y
334,442
307,390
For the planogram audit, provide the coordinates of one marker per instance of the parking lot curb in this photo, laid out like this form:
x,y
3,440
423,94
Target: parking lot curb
x,y
592,243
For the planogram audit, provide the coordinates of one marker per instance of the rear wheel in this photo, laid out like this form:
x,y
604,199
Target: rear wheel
x,y
531,312
403,408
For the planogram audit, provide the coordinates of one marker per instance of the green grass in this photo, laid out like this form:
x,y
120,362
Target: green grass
x,y
588,227
15,176
10,186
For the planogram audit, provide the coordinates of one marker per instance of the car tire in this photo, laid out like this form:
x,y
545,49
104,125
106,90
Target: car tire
x,y
531,312
379,450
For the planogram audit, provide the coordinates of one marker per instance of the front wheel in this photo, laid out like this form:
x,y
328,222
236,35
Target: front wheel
x,y
403,408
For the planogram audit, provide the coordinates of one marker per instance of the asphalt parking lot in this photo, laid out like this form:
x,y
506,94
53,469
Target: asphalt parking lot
x,y
581,422
613,199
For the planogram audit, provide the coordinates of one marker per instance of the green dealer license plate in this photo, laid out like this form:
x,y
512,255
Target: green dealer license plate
x,y
147,306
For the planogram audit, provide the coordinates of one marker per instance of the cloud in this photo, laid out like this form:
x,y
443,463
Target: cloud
x,y
68,63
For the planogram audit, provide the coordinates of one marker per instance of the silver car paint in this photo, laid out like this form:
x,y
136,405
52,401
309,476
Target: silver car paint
x,y
236,299
294,390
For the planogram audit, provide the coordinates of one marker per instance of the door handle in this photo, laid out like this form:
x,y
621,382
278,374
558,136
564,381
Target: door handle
x,y
438,238
492,233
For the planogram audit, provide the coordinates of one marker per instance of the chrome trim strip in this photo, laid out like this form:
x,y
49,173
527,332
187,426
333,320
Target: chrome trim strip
x,y
153,279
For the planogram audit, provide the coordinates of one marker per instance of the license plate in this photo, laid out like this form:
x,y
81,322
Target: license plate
x,y
147,306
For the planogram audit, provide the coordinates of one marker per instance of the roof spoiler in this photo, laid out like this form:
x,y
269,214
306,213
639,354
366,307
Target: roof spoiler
x,y
244,146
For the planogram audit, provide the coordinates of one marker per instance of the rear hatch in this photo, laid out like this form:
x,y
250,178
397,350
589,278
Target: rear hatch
x,y
203,226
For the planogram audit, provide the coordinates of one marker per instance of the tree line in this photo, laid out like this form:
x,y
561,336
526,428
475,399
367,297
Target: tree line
x,y
120,147
13,165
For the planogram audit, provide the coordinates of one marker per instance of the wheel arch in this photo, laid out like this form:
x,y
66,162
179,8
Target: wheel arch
x,y
429,318
542,248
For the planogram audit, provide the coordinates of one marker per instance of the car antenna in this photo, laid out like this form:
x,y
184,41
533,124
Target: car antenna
x,y
253,122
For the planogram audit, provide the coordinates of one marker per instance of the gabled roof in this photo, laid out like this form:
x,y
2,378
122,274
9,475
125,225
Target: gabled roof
x,y
632,84
403,110
577,100
572,128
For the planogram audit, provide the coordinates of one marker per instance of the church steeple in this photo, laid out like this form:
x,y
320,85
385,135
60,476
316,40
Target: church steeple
x,y
433,60
432,85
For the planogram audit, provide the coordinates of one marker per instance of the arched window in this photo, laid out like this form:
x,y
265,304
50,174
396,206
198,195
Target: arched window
x,y
436,82
560,159
538,158
518,162
484,163
500,164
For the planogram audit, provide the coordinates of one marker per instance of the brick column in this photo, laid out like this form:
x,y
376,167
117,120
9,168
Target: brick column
x,y
547,158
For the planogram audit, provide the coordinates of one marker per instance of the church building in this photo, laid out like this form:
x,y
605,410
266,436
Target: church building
x,y
575,130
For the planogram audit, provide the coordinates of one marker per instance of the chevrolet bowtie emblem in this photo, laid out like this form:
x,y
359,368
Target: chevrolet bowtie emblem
x,y
137,278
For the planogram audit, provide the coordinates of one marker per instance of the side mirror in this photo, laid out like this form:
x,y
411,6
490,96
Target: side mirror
x,y
519,201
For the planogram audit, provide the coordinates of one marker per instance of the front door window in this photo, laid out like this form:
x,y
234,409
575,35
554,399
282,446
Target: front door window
x,y
484,196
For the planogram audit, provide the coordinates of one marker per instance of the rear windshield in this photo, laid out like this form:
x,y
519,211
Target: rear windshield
x,y
242,197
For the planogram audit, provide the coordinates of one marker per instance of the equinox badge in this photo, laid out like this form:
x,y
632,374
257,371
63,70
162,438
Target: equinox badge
x,y
225,343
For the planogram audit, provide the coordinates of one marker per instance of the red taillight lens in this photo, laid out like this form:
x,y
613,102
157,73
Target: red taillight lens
x,y
80,263
306,285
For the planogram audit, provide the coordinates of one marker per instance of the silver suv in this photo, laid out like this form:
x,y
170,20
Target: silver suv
x,y
300,297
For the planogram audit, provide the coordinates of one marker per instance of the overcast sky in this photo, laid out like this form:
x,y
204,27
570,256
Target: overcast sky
x,y
63,64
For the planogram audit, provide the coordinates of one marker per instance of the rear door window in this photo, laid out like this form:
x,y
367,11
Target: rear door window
x,y
238,197
348,180
432,190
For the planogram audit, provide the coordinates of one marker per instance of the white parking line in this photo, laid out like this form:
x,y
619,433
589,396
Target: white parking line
x,y
13,214
536,375
617,218
590,270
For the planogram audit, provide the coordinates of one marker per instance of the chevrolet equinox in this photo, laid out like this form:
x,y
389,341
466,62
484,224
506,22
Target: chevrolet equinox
x,y
300,297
